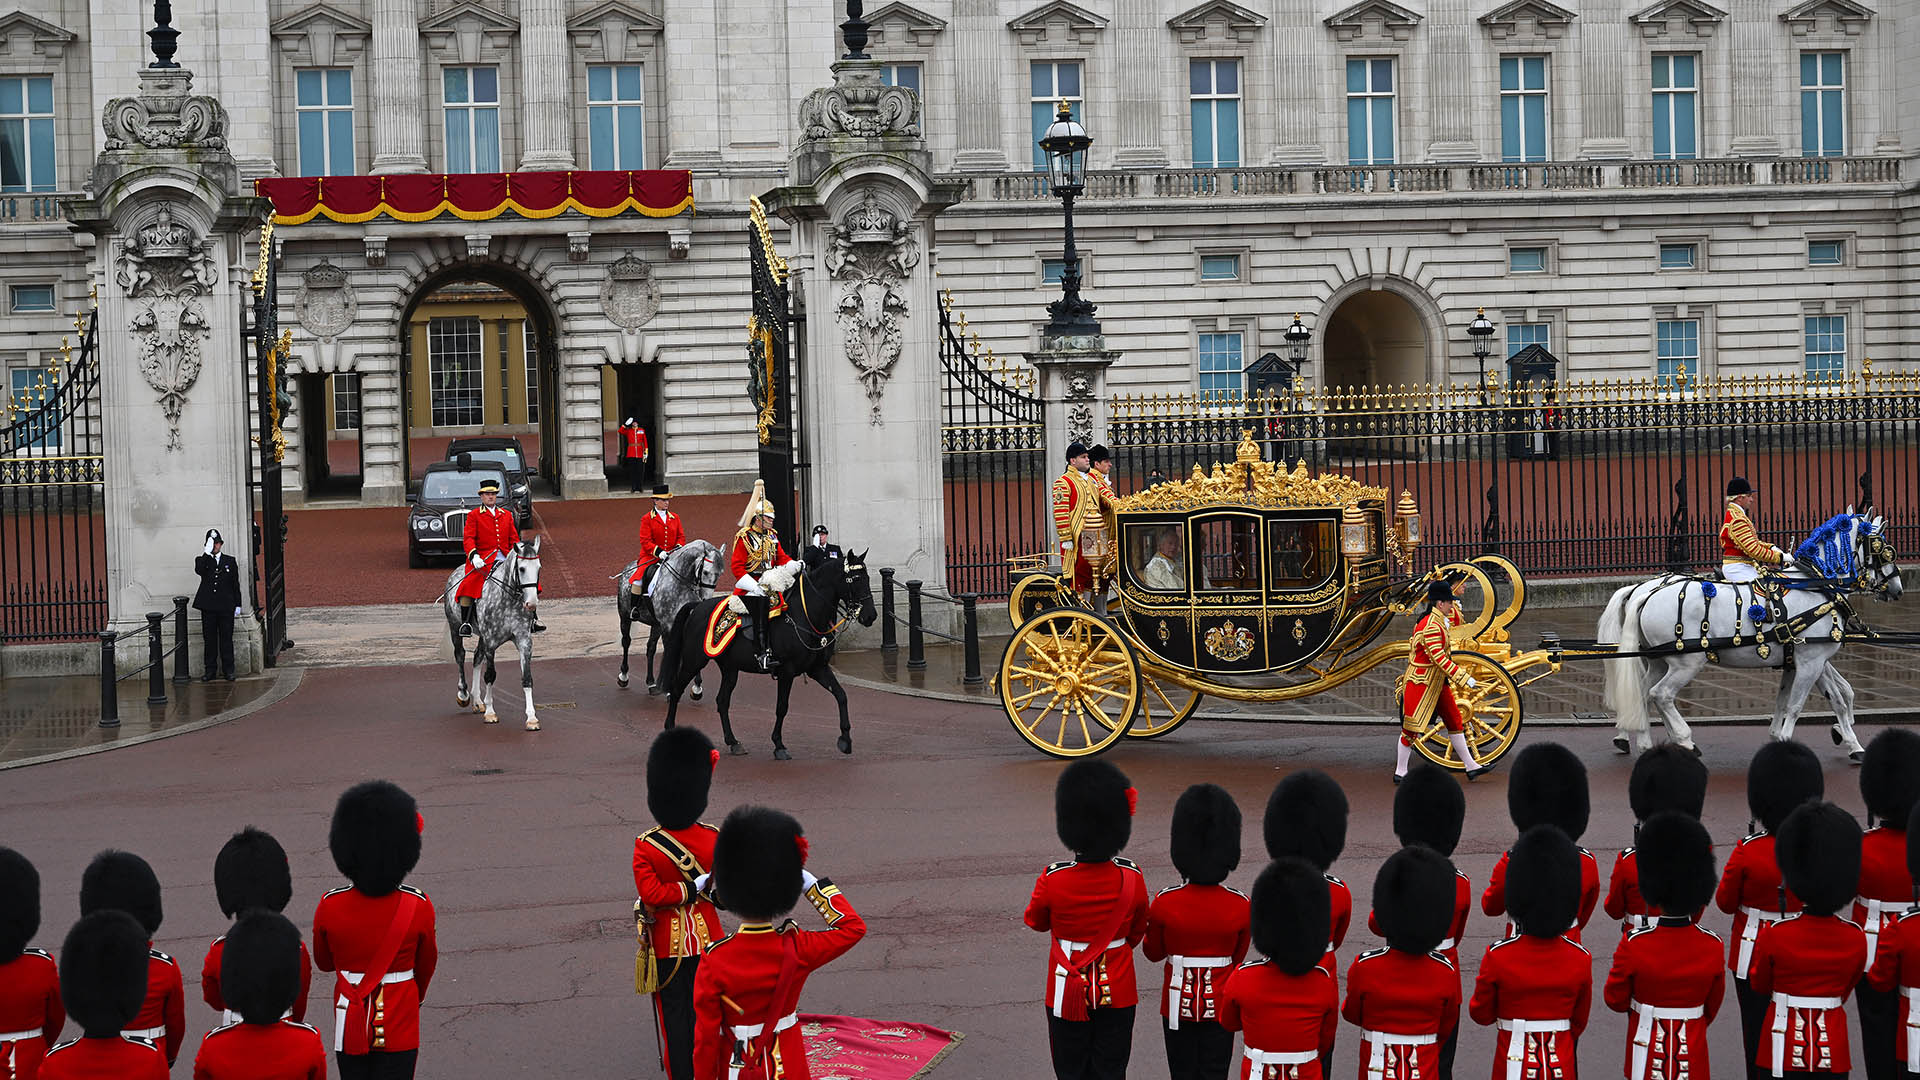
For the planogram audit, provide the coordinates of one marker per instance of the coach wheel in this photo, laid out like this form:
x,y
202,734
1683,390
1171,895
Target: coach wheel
x,y
1477,611
1490,712
1164,706
1032,595
1498,566
1069,682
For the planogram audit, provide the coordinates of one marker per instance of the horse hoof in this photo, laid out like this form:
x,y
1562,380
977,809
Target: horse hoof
x,y
492,718
462,700
736,749
1856,756
1689,748
622,680
533,723
1621,745
845,743
780,754
653,688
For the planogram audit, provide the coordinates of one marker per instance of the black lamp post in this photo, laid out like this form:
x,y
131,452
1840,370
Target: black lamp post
x,y
1481,331
1298,337
164,37
1065,144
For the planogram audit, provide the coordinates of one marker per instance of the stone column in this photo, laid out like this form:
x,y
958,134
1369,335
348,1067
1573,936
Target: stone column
x,y
1073,388
383,465
1454,99
979,36
547,136
1755,57
1297,86
395,73
1138,34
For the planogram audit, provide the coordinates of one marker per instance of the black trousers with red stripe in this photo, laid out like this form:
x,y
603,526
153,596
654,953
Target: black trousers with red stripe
x,y
673,1018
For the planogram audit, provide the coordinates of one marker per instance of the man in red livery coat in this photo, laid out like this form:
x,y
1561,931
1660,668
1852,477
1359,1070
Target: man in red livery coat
x,y
1549,787
1431,810
1896,967
1426,690
1742,553
1537,986
1093,908
1285,1002
746,995
660,533
103,980
1890,786
1668,976
1808,963
1667,777
1201,930
251,872
1781,776
1405,998
756,550
1307,818
377,934
260,971
123,881
489,532
1079,521
677,924
31,1015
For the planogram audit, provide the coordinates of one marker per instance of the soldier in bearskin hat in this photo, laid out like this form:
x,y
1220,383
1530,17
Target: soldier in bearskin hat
x,y
676,924
1200,928
746,993
1808,963
30,1013
103,981
250,872
260,975
1669,976
1307,818
1430,809
1890,786
1896,965
1285,1002
1781,776
123,881
1549,787
1094,909
1405,998
1537,986
1667,777
381,976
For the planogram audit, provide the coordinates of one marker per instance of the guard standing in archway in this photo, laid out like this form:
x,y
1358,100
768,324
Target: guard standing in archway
x,y
634,452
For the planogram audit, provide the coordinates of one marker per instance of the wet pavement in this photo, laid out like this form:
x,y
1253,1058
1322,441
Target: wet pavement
x,y
48,718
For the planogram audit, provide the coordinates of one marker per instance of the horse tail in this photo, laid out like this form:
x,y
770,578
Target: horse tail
x,y
676,643
1626,677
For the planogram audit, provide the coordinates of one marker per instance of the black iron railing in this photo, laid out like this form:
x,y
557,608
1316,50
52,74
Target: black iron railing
x,y
917,632
155,669
993,460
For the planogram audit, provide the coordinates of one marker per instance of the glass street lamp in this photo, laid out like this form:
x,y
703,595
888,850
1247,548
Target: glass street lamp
x,y
1298,337
1481,331
1065,144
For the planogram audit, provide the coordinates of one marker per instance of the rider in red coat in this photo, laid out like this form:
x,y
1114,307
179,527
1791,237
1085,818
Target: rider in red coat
x,y
756,549
490,532
660,533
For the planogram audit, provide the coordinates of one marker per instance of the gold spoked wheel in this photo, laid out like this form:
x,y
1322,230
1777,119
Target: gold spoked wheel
x,y
1491,711
1500,565
1163,707
1033,594
1480,604
1069,682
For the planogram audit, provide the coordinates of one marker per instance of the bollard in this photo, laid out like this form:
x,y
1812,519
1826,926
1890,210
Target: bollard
x,y
156,660
180,674
969,602
889,643
109,689
916,642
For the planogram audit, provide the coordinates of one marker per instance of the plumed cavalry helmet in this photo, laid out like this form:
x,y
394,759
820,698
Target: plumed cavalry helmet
x,y
375,836
122,881
1206,834
1543,882
1667,777
1307,816
260,967
19,903
758,505
679,773
1548,787
1413,899
1093,809
1818,848
251,872
1890,776
757,861
1674,856
1429,808
1781,776
103,972
1292,915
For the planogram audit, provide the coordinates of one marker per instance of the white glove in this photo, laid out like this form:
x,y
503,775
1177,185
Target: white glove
x,y
476,561
807,880
1471,683
700,883
237,612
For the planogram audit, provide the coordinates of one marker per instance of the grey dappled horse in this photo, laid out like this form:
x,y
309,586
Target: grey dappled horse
x,y
687,573
504,613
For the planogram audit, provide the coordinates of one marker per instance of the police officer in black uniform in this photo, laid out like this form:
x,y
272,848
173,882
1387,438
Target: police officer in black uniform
x,y
218,601
818,550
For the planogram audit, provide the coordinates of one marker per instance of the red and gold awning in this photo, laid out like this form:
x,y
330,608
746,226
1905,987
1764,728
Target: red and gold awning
x,y
478,196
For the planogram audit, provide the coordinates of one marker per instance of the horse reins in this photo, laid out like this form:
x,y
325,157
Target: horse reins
x,y
827,638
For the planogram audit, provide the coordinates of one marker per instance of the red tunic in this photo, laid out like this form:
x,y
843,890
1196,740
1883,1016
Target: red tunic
x,y
1540,981
1750,890
660,532
1886,889
281,1051
1462,907
683,924
734,989
1816,960
30,1013
210,980
1494,900
109,1058
163,1015
1340,899
740,560
1201,932
1282,1014
1896,967
1659,976
490,532
1074,901
636,442
348,929
1402,994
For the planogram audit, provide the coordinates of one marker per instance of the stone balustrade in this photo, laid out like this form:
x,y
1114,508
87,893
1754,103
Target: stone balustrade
x,y
40,208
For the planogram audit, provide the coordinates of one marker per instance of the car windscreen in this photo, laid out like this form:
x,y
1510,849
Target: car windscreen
x,y
507,458
453,485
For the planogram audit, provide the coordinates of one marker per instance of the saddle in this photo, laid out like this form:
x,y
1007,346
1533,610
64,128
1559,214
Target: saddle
x,y
725,623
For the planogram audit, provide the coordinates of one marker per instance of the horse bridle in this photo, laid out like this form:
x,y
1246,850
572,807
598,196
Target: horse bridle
x,y
696,581
845,609
497,573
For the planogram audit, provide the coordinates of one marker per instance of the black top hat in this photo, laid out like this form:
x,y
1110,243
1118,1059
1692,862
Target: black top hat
x,y
1548,786
1781,776
1818,849
122,881
1306,816
1092,811
1206,834
1439,592
1098,453
19,903
1667,777
260,967
103,972
1890,776
375,837
1739,486
1075,449
1429,808
1543,882
661,491
1413,899
679,774
1292,915
757,863
489,484
1674,856
251,872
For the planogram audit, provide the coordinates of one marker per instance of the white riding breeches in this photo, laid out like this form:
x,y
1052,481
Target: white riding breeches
x,y
1739,571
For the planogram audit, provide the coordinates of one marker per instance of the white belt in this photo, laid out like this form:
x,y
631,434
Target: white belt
x,y
1177,968
1260,1059
1876,911
1647,1017
1641,922
1380,1040
743,1032
1755,917
340,1004
1060,973
19,1036
149,1034
1449,943
1785,1003
1911,993
1520,1034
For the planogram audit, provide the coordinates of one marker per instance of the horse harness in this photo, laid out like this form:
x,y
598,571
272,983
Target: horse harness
x,y
823,639
1770,605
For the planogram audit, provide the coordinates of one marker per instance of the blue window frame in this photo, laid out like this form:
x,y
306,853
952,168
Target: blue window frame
x,y
1826,252
1213,88
616,117
1523,108
1370,112
1220,364
1521,335
1527,260
472,100
1679,256
1676,94
1050,84
26,134
1823,104
26,299
44,434
1826,348
1676,347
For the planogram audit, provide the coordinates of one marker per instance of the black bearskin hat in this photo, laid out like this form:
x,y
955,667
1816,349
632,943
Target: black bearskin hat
x,y
679,773
1307,816
1292,915
757,862
375,837
103,972
1206,834
1093,809
1675,860
260,967
122,881
1781,776
1667,777
1413,899
1818,848
1548,787
251,872
1429,808
1890,776
1913,844
1543,882
19,903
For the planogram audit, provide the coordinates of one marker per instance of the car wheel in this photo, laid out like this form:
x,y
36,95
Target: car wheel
x,y
415,559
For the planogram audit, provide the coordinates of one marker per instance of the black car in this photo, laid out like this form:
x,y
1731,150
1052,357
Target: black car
x,y
437,516
505,451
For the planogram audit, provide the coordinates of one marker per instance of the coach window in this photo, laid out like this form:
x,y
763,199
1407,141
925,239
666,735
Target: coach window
x,y
1304,552
1227,552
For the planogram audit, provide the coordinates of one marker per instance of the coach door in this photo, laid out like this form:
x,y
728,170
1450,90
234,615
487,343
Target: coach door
x,y
1227,575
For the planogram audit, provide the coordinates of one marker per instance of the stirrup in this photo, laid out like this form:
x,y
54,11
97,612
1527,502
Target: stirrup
x,y
537,627
466,629
766,660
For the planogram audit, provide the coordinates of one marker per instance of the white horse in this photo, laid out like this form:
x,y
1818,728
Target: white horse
x,y
1688,621
504,614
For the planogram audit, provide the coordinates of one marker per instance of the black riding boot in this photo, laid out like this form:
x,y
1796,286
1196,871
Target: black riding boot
x,y
757,606
466,617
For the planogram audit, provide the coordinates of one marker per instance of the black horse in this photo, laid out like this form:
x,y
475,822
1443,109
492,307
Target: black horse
x,y
818,605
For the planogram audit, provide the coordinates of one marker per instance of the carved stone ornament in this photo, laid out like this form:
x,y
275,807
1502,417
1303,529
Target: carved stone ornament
x,y
629,295
165,270
870,255
1080,423
327,303
860,105
165,115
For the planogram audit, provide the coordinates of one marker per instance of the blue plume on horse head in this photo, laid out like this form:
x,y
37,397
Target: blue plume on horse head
x,y
1830,548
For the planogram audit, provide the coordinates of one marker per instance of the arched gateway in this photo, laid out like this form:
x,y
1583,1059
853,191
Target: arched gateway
x,y
1381,331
